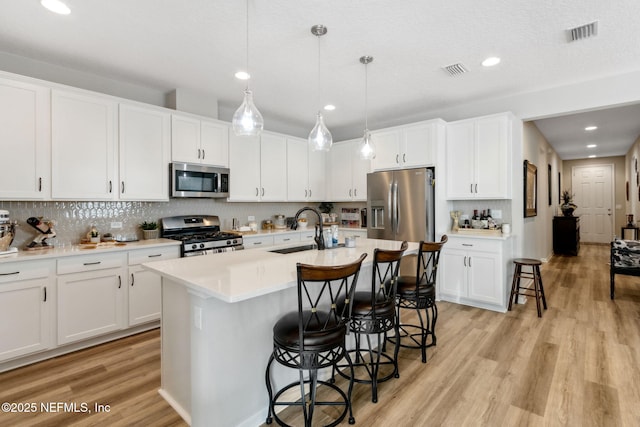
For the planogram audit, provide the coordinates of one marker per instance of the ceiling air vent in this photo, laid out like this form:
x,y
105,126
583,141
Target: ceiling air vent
x,y
583,31
455,69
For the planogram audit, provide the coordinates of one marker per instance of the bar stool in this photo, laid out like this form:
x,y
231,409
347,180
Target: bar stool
x,y
313,337
537,289
374,313
419,293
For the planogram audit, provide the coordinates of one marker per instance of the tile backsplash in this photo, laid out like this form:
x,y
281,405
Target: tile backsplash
x,y
73,219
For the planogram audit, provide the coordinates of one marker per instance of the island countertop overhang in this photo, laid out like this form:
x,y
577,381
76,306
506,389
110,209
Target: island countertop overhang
x,y
241,275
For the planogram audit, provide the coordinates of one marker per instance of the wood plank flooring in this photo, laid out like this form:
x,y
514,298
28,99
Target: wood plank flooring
x,y
579,365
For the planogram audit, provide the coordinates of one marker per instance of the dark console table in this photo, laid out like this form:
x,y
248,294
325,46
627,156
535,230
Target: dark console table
x,y
566,235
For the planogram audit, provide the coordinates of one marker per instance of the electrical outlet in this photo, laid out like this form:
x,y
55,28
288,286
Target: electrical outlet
x,y
116,224
251,218
496,213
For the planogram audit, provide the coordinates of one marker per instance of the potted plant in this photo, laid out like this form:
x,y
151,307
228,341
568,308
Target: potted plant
x,y
150,230
567,206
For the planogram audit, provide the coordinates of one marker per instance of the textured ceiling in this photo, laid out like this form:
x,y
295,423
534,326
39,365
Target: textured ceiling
x,y
200,44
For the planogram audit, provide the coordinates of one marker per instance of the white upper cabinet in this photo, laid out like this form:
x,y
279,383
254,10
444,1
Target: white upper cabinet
x,y
347,172
478,157
202,141
83,152
407,146
25,141
145,150
305,172
258,168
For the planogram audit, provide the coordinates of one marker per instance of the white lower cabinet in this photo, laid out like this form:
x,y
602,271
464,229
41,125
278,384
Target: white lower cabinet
x,y
144,286
91,296
473,271
27,295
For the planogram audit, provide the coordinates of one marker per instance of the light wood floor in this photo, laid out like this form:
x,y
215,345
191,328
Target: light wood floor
x,y
577,366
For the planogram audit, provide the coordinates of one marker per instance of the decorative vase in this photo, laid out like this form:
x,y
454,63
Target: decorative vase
x,y
151,234
567,210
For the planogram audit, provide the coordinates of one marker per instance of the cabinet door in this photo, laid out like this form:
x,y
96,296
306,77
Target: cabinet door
x,y
25,316
485,281
418,145
214,143
273,173
145,290
145,151
317,175
25,129
244,163
83,147
360,170
90,304
387,144
339,170
492,152
452,273
298,170
185,139
460,161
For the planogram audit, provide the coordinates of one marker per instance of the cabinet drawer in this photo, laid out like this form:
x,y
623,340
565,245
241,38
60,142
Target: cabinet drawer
x,y
286,238
474,244
14,272
257,242
78,264
153,254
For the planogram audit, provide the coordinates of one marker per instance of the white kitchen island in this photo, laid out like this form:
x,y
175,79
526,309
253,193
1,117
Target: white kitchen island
x,y
218,312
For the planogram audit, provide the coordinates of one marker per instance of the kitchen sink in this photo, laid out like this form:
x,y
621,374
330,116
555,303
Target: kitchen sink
x,y
294,249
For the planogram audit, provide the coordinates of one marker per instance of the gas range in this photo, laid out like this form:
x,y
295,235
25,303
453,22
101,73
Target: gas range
x,y
200,235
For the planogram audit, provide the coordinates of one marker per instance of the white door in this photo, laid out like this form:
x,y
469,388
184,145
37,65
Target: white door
x,y
593,189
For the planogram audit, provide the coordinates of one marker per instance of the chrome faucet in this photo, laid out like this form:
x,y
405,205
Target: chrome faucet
x,y
319,238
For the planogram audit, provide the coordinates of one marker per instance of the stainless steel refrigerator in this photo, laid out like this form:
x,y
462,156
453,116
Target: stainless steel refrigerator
x,y
400,205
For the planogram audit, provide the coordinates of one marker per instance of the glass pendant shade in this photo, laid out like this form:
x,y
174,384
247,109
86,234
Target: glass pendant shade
x,y
247,120
367,149
320,138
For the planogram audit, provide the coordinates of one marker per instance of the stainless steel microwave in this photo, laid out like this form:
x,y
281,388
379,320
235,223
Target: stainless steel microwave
x,y
192,180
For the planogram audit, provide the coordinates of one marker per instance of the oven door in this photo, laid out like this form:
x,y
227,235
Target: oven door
x,y
198,181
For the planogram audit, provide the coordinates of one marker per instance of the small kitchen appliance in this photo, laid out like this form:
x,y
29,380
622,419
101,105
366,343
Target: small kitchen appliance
x,y
45,228
200,235
7,233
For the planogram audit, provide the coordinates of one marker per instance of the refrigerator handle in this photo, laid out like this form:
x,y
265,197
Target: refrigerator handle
x,y
396,207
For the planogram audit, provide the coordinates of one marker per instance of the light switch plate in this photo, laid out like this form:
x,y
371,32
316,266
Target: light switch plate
x,y
116,224
251,218
496,213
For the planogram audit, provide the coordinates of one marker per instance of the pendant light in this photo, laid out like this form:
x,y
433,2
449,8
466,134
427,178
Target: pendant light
x,y
320,138
367,150
247,120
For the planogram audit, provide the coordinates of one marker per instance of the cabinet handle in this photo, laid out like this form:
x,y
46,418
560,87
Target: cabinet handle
x,y
350,192
305,193
9,274
476,188
310,193
198,153
133,279
203,155
469,261
262,192
257,191
257,243
470,188
397,158
110,186
467,244
404,158
154,255
119,282
122,187
45,294
285,240
464,261
92,263
40,184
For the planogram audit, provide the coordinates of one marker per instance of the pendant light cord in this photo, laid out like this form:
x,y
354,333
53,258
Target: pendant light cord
x,y
319,80
247,30
366,96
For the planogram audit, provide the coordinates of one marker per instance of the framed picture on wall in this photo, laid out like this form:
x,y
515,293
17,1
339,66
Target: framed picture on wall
x,y
530,189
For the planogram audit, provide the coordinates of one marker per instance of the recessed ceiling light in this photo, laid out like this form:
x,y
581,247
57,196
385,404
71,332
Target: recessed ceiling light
x,y
491,61
242,75
591,146
329,107
592,156
590,128
56,6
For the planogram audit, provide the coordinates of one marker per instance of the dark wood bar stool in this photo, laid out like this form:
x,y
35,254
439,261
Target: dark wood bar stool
x,y
313,338
537,291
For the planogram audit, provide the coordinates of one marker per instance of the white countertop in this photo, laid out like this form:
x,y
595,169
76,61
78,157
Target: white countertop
x,y
241,275
72,250
480,234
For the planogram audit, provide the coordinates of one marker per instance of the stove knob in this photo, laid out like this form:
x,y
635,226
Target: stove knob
x,y
228,242
194,246
201,245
